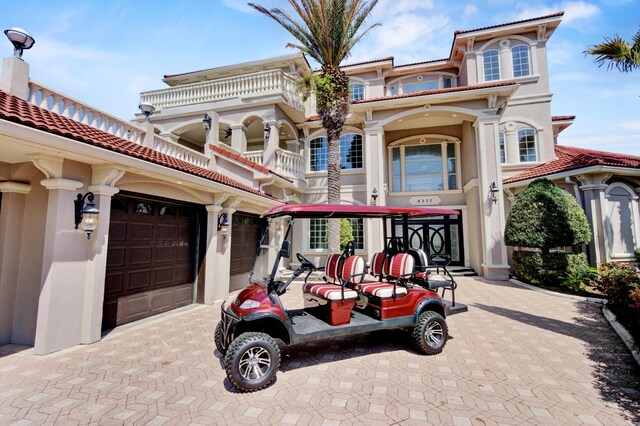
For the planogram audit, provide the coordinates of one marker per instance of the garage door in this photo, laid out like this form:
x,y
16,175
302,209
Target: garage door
x,y
150,259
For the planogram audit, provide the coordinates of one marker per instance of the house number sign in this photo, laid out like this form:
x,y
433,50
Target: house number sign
x,y
425,201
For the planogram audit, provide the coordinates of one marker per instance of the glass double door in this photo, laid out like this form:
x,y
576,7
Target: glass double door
x,y
437,235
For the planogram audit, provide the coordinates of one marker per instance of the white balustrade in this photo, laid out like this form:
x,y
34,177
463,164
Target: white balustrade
x,y
66,106
255,156
290,164
245,86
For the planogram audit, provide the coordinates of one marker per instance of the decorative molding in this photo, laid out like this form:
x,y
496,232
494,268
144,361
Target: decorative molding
x,y
492,99
51,167
104,190
14,187
470,43
473,183
542,32
105,174
61,183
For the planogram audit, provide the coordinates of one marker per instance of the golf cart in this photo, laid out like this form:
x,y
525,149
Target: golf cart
x,y
398,291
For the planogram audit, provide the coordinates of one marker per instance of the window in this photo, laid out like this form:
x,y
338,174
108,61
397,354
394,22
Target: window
x,y
357,91
527,144
419,87
318,234
491,65
430,83
426,167
503,156
350,153
520,55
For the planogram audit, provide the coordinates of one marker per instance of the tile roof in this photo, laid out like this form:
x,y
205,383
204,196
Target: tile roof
x,y
422,62
553,15
244,160
373,61
572,158
17,110
438,91
562,117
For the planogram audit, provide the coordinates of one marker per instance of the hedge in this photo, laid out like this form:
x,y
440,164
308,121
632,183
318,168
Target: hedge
x,y
554,268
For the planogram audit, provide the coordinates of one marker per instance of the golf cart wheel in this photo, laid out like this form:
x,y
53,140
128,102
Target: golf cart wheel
x,y
218,339
252,361
430,333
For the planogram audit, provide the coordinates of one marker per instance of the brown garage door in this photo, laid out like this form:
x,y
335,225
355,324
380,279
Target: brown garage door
x,y
150,259
244,244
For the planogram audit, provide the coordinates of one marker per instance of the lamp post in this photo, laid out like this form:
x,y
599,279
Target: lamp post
x,y
21,40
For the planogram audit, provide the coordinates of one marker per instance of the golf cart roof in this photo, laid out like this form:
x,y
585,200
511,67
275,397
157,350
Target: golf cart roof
x,y
339,211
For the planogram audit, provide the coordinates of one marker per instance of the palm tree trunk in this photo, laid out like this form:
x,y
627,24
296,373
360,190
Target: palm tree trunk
x,y
333,188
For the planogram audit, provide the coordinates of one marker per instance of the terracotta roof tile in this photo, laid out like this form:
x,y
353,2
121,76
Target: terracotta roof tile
x,y
239,158
563,117
422,62
438,91
15,109
553,15
388,58
572,158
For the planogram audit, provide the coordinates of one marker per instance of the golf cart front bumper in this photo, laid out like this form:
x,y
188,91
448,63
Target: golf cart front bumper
x,y
229,322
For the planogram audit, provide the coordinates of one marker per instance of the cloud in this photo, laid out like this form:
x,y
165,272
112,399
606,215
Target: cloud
x,y
631,125
242,6
470,10
573,11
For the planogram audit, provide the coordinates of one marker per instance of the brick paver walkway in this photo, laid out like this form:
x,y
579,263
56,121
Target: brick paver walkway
x,y
517,356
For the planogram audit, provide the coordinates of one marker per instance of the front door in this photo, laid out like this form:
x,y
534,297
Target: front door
x,y
437,235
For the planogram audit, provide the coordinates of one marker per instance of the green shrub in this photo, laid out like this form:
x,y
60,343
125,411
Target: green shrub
x,y
570,270
636,256
346,233
544,216
620,282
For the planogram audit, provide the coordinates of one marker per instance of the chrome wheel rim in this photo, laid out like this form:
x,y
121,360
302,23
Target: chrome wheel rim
x,y
433,334
255,363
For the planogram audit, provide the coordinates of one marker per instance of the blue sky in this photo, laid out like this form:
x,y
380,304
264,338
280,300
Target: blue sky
x,y
106,53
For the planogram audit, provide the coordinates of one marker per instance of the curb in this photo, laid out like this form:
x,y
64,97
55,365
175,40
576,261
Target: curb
x,y
563,295
622,332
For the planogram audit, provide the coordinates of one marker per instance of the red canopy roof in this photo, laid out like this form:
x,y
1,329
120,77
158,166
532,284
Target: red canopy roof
x,y
338,211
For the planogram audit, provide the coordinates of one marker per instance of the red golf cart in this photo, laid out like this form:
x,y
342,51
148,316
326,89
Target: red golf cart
x,y
397,291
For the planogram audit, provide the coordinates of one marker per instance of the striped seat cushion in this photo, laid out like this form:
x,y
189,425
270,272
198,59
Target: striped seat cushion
x,y
401,264
329,291
353,265
379,264
333,266
381,290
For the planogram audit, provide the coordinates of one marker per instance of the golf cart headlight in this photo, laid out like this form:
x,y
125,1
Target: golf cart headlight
x,y
249,304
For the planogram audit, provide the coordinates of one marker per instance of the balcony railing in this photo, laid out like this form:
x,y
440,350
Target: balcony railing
x,y
66,106
265,83
287,164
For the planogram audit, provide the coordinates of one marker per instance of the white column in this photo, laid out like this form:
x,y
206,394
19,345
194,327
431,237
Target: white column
x,y
238,137
212,289
14,195
15,77
593,187
269,156
374,153
223,258
149,134
492,215
97,265
511,145
212,134
60,306
506,65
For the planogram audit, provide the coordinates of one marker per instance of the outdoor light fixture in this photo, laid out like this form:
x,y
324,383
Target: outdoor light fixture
x,y
147,109
493,190
206,122
267,133
223,225
86,214
21,40
374,196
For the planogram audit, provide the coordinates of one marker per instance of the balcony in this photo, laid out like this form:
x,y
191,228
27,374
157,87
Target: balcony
x,y
287,164
244,87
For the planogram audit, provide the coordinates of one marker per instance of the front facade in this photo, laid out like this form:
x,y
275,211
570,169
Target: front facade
x,y
465,132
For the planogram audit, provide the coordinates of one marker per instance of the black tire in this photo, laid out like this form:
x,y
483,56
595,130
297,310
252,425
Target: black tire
x,y
430,333
252,361
218,339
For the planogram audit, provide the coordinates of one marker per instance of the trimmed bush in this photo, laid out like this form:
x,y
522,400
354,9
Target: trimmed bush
x,y
620,282
567,269
545,216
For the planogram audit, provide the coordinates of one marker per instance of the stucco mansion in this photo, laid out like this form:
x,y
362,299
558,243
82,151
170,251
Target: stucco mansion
x,y
179,193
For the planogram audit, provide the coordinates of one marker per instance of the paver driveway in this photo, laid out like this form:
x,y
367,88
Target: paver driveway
x,y
517,356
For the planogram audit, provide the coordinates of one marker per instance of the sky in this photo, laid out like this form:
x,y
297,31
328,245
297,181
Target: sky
x,y
105,53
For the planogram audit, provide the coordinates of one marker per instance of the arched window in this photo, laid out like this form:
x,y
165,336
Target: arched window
x,y
357,91
350,153
520,55
491,59
424,167
527,145
503,155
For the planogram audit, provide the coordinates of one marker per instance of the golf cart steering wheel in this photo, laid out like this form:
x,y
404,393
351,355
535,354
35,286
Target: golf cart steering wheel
x,y
306,263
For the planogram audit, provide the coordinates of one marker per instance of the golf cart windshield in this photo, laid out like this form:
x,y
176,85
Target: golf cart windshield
x,y
263,264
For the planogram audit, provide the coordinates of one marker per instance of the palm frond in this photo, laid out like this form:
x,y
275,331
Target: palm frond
x,y
617,53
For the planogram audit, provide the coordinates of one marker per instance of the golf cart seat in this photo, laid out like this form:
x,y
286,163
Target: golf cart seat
x,y
334,302
333,267
380,265
400,267
432,272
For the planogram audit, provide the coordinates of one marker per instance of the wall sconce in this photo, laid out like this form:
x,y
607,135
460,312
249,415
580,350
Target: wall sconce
x,y
147,109
493,191
86,214
21,40
374,196
267,133
206,122
223,224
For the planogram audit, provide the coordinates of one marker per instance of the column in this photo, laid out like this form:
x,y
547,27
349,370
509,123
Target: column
x,y
506,65
374,153
223,258
592,188
97,265
492,215
14,195
269,156
238,137
511,144
212,135
211,284
15,77
60,307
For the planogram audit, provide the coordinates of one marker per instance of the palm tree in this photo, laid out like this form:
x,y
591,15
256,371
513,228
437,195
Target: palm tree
x,y
327,31
617,53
